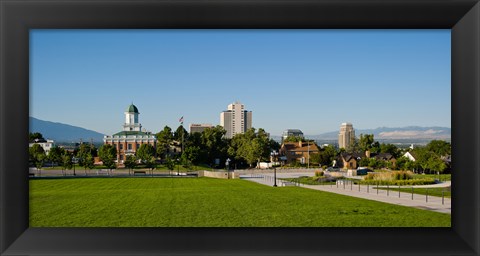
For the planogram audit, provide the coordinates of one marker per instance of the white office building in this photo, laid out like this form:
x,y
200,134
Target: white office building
x,y
235,120
346,136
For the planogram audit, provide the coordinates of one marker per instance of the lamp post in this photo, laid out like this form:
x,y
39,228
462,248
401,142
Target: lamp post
x,y
73,161
274,155
178,167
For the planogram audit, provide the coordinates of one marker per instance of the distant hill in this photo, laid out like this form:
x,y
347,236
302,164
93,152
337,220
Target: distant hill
x,y
63,132
386,133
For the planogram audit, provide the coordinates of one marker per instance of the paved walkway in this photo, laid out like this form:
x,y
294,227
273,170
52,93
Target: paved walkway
x,y
431,203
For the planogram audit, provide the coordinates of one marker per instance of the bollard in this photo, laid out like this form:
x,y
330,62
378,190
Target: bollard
x,y
377,188
388,190
426,196
398,191
343,181
367,187
359,186
336,182
443,190
412,193
351,185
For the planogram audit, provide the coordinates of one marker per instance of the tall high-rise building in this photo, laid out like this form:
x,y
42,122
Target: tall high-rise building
x,y
236,120
346,136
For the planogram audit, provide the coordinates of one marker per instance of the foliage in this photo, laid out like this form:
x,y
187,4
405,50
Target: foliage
x,y
177,135
108,155
34,136
390,148
319,173
145,153
429,161
439,147
55,155
130,162
164,139
293,138
85,155
37,155
325,156
251,146
365,142
67,162
390,176
214,145
170,163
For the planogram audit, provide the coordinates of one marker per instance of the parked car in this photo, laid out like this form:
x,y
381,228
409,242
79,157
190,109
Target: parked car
x,y
333,169
363,171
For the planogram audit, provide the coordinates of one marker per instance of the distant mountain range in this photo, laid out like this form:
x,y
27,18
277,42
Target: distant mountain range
x,y
387,133
67,133
63,132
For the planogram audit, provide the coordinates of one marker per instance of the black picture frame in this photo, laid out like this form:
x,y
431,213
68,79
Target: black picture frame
x,y
18,16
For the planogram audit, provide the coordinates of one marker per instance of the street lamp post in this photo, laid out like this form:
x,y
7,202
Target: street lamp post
x,y
274,155
73,160
178,167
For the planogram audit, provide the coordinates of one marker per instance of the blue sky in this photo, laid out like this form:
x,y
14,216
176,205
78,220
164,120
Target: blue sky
x,y
312,80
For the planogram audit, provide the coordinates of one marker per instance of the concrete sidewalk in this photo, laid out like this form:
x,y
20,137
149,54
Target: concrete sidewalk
x,y
431,203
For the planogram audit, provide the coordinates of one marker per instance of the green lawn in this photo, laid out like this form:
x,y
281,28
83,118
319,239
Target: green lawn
x,y
207,202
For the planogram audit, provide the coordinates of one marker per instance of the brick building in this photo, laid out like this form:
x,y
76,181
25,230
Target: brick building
x,y
132,137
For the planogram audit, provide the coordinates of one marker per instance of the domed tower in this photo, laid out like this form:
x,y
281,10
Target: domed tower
x,y
131,119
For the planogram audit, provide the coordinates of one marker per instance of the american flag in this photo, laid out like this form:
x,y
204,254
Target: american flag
x,y
181,120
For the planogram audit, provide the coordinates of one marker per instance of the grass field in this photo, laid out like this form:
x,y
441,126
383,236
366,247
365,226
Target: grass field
x,y
206,202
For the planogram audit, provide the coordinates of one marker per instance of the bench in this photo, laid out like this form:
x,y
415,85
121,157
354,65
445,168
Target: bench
x,y
135,172
31,174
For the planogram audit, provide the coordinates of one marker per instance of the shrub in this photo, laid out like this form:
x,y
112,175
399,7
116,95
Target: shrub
x,y
319,173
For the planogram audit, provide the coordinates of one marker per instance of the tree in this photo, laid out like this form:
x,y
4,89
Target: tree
x,y
390,148
108,155
170,163
67,163
251,146
84,151
439,147
214,144
40,159
177,135
33,151
164,140
293,138
192,154
35,136
365,142
130,163
88,162
55,155
145,153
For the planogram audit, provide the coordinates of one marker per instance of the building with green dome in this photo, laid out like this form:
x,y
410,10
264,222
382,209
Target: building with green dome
x,y
131,137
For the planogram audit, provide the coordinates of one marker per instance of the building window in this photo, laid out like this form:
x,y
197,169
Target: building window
x,y
129,146
121,157
121,146
138,146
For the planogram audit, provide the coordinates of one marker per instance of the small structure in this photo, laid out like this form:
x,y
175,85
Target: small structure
x,y
292,132
45,144
298,151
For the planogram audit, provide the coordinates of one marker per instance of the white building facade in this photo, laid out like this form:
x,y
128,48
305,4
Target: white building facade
x,y
346,136
235,120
